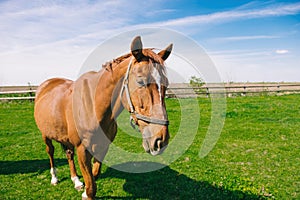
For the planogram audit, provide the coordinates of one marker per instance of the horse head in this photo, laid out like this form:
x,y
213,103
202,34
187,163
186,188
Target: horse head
x,y
143,94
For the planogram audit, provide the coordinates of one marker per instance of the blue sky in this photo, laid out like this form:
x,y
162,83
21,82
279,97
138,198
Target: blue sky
x,y
246,40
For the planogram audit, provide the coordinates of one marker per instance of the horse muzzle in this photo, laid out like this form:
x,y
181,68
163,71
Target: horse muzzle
x,y
155,139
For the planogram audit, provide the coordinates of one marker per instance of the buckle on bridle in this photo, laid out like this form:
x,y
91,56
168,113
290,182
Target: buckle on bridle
x,y
133,123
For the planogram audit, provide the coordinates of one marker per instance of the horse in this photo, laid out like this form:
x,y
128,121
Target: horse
x,y
82,114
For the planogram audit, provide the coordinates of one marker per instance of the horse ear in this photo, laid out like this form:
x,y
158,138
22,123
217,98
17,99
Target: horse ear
x,y
137,48
164,54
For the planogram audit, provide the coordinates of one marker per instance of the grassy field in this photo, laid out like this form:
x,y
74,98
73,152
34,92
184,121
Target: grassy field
x,y
256,157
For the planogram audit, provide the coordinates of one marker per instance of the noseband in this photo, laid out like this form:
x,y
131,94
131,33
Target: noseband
x,y
133,114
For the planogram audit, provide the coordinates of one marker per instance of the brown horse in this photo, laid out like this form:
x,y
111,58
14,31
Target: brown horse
x,y
82,113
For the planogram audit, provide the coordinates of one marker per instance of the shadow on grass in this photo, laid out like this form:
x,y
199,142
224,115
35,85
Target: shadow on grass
x,y
167,184
28,166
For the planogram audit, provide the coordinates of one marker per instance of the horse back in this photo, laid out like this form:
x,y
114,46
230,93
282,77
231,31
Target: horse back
x,y
50,85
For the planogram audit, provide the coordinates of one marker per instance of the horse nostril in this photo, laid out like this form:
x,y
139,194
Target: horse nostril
x,y
157,144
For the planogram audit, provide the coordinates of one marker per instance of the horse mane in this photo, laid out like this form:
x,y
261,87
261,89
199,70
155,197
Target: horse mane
x,y
108,65
154,58
147,52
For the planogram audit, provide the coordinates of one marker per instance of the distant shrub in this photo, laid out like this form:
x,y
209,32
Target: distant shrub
x,y
196,83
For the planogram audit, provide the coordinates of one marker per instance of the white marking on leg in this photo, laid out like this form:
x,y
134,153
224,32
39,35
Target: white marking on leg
x,y
78,185
84,195
54,179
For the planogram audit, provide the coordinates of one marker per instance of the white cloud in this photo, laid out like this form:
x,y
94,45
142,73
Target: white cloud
x,y
50,38
271,11
250,37
282,51
243,66
24,25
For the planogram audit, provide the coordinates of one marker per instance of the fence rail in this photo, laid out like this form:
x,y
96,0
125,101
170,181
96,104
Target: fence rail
x,y
180,90
243,89
17,95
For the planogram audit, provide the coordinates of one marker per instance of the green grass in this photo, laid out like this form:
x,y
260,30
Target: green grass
x,y
256,157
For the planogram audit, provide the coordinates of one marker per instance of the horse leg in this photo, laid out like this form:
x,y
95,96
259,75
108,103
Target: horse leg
x,y
78,185
97,164
96,168
50,151
84,159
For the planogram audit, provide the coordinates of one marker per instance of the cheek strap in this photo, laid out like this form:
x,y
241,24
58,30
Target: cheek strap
x,y
134,115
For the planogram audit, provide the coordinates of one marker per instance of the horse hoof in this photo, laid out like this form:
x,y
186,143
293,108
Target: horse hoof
x,y
84,196
78,185
54,181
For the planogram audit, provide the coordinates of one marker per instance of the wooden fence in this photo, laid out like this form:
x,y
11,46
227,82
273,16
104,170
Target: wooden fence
x,y
180,90
232,89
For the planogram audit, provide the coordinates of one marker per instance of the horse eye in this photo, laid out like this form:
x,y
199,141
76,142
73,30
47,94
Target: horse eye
x,y
141,82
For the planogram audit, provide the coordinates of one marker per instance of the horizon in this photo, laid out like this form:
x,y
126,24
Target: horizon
x,y
174,84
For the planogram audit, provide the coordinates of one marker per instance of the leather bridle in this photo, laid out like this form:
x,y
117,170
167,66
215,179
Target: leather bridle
x,y
134,115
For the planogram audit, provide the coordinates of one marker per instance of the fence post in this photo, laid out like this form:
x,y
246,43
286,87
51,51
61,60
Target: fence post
x,y
244,93
278,88
207,92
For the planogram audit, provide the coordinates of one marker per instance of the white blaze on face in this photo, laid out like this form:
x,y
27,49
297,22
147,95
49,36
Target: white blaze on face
x,y
157,78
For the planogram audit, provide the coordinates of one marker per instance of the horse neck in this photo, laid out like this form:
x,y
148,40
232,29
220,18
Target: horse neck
x,y
107,100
